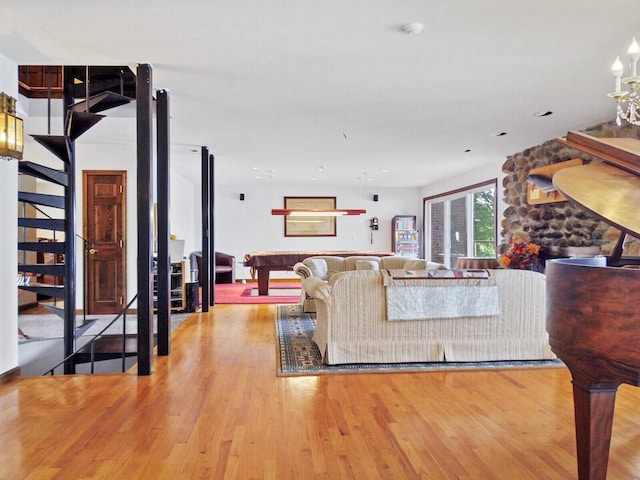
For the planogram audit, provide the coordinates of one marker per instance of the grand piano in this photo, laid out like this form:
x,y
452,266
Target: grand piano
x,y
593,317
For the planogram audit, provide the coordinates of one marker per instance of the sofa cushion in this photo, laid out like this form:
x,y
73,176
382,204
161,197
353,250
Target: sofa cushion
x,y
318,267
350,262
367,265
415,265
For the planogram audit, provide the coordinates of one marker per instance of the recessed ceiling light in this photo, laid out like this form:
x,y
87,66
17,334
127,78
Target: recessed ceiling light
x,y
414,28
543,114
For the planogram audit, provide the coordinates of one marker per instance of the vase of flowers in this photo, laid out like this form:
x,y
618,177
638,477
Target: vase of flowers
x,y
522,255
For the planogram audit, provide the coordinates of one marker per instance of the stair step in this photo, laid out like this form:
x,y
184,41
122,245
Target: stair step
x,y
80,122
81,329
59,311
55,201
59,145
108,347
43,223
46,247
56,269
44,173
101,102
55,291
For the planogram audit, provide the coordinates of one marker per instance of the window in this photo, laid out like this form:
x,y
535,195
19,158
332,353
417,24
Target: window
x,y
461,223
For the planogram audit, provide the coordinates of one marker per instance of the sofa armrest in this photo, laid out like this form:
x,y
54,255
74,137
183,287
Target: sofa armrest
x,y
317,288
302,270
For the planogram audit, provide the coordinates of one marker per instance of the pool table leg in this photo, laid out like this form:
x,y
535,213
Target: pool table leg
x,y
263,281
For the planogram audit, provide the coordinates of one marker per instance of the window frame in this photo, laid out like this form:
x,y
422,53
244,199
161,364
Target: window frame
x,y
467,192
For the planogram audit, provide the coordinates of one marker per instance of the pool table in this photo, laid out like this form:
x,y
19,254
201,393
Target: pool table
x,y
265,262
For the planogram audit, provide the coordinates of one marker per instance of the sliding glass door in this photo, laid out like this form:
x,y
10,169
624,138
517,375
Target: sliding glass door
x,y
461,224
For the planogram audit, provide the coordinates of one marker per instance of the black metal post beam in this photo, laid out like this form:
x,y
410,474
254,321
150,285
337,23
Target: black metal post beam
x,y
204,274
70,244
212,225
145,204
163,189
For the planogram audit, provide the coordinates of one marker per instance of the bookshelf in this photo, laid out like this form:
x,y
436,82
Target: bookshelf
x,y
405,238
177,288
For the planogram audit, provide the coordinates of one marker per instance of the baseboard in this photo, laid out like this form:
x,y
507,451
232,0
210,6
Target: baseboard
x,y
9,376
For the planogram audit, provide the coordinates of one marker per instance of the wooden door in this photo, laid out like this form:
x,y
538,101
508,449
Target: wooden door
x,y
105,232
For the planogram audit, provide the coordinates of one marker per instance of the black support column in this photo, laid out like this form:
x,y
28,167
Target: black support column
x,y
145,205
70,243
204,274
163,194
212,249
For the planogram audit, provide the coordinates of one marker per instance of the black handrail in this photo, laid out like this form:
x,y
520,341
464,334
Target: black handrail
x,y
92,342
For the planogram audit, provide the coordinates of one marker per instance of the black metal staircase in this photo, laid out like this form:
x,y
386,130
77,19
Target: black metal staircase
x,y
98,84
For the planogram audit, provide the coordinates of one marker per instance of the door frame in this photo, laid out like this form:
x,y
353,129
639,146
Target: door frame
x,y
85,219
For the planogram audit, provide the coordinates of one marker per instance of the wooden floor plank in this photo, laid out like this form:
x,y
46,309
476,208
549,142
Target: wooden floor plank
x,y
215,409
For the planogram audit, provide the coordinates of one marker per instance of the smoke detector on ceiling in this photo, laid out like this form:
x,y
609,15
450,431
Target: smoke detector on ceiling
x,y
412,28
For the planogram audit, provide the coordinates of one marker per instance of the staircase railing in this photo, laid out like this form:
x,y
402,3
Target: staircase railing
x,y
94,339
87,246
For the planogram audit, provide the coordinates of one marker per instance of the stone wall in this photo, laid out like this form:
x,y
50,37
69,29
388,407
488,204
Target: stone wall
x,y
558,224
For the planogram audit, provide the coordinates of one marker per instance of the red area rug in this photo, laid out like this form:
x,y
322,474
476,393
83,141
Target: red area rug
x,y
238,293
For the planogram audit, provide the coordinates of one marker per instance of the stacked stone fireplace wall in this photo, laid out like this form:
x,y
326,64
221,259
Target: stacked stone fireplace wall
x,y
558,224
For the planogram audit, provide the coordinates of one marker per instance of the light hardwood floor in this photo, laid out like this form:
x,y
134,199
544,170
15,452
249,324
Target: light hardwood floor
x,y
215,409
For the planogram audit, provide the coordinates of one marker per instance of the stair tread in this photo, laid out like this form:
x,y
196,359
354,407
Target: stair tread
x,y
58,177
78,122
54,201
59,145
101,102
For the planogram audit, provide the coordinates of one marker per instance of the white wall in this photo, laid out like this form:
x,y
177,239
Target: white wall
x,y
248,226
185,212
9,237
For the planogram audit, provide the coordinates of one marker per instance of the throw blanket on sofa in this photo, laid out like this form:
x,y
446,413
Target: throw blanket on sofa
x,y
419,298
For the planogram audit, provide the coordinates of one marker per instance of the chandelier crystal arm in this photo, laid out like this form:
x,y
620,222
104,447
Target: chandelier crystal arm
x,y
628,103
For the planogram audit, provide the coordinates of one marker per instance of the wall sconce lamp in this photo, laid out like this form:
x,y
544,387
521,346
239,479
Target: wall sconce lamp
x,y
11,129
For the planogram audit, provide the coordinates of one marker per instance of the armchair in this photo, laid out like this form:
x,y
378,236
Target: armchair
x,y
225,266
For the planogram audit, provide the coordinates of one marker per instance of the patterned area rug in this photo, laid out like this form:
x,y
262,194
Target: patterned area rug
x,y
298,355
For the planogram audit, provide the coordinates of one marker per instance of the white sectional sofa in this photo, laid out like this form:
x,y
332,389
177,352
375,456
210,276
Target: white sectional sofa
x,y
324,267
352,324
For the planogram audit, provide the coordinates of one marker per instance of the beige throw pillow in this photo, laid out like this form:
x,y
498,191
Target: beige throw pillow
x,y
415,265
367,265
318,267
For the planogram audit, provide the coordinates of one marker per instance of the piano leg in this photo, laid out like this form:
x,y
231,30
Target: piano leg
x,y
593,409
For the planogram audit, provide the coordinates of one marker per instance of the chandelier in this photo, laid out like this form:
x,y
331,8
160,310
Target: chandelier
x,y
628,103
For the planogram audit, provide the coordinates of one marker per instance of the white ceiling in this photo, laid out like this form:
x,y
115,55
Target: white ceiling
x,y
286,86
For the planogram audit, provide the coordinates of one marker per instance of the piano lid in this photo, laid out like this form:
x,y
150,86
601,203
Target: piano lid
x,y
610,189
